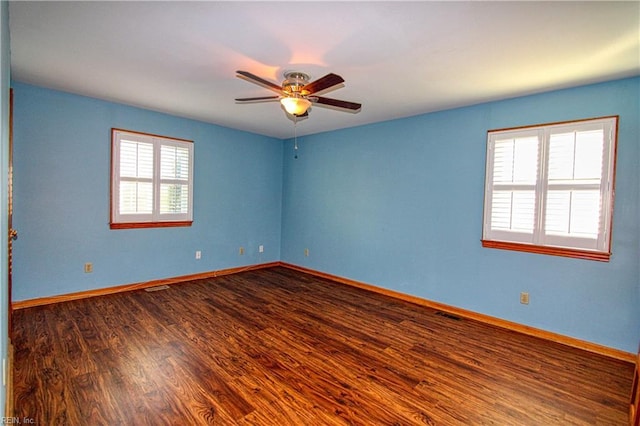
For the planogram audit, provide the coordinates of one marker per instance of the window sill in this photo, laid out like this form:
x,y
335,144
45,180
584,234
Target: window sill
x,y
553,251
141,225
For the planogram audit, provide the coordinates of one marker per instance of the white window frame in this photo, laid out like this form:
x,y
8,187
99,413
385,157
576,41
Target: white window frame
x,y
155,218
539,240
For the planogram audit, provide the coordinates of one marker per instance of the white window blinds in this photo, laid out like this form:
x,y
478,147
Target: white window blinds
x,y
515,168
174,180
551,185
136,177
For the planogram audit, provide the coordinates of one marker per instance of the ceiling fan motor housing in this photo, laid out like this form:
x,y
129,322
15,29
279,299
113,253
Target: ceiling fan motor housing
x,y
294,83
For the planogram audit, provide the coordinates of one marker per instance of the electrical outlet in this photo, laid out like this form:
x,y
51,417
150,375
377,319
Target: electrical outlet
x,y
241,251
524,298
306,252
88,268
261,249
198,254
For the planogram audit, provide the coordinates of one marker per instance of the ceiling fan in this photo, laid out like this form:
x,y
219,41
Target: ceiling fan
x,y
297,94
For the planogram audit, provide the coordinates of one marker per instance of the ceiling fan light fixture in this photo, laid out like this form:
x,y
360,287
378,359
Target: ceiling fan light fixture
x,y
295,106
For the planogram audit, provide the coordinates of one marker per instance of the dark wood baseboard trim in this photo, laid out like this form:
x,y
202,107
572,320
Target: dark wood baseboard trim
x,y
137,286
487,319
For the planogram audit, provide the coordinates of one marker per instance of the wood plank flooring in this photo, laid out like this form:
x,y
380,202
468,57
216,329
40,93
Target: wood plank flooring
x,y
278,347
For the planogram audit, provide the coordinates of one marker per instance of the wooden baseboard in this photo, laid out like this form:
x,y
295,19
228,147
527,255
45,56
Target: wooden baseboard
x,y
487,319
137,286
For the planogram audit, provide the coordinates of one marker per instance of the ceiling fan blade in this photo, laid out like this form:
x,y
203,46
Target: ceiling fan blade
x,y
324,83
245,75
259,99
337,103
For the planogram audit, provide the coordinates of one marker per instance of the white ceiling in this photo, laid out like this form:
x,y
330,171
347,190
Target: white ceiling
x,y
398,58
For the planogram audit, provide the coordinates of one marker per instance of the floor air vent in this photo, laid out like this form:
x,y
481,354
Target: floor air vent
x,y
157,288
447,315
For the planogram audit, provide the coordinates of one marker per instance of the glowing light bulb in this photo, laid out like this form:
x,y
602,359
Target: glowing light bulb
x,y
295,106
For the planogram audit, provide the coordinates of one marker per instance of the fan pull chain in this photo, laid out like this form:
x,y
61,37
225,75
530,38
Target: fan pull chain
x,y
295,137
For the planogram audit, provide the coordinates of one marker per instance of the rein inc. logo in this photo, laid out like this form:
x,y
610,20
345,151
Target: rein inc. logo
x,y
17,420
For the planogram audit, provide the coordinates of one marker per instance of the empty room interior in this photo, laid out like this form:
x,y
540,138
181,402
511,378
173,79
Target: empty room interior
x,y
320,213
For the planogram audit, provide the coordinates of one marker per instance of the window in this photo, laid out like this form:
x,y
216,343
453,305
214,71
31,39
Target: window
x,y
549,189
151,181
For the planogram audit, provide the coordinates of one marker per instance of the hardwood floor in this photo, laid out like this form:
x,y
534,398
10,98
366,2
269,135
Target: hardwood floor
x,y
278,347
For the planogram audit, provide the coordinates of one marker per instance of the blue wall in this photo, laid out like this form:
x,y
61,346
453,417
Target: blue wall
x,y
62,168
399,205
